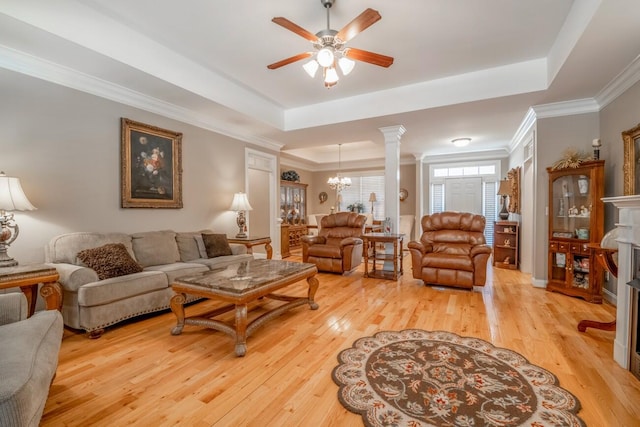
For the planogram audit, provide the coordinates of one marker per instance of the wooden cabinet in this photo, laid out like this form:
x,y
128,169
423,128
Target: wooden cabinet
x,y
293,213
576,221
505,244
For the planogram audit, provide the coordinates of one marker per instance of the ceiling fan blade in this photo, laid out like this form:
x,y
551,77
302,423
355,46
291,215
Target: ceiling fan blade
x,y
370,57
290,60
359,24
284,22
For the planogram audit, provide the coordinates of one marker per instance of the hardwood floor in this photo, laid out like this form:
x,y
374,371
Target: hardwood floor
x,y
140,374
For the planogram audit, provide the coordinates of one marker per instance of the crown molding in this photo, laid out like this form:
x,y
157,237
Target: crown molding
x,y
523,130
499,153
623,81
566,108
39,68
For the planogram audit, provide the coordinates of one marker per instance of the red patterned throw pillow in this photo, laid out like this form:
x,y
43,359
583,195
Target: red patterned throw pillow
x,y
110,260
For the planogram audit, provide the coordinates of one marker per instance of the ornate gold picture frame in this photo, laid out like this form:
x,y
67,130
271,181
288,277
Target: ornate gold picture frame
x,y
631,166
150,166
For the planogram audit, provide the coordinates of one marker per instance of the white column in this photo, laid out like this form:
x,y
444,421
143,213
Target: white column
x,y
420,196
392,136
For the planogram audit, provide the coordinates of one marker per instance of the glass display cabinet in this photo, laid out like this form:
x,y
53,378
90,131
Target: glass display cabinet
x,y
576,223
293,212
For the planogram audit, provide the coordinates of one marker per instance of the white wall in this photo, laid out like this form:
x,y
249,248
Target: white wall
x,y
64,145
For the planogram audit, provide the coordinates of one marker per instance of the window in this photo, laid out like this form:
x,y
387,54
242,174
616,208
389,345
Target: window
x,y
360,190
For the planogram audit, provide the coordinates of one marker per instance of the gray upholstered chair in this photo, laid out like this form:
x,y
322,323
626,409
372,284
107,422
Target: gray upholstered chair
x,y
28,359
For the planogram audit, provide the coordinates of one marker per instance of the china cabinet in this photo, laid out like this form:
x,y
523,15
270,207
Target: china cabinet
x,y
576,221
505,244
293,213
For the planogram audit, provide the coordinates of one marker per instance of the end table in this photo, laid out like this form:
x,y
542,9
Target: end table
x,y
369,242
27,278
250,241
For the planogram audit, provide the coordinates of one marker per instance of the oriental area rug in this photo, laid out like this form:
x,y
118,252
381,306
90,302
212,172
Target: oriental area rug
x,y
420,378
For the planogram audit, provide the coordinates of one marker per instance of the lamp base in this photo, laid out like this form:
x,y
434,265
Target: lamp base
x,y
9,262
241,235
504,213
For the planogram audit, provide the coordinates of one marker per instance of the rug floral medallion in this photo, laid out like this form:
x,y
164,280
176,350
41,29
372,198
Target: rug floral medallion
x,y
422,378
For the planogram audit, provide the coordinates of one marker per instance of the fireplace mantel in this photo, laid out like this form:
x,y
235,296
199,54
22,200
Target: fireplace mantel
x,y
628,237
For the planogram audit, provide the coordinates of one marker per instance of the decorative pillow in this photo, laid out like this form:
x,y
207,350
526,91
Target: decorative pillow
x,y
110,260
216,245
155,247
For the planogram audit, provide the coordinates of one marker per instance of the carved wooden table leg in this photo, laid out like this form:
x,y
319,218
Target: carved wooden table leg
x,y
52,294
177,306
241,329
269,250
313,287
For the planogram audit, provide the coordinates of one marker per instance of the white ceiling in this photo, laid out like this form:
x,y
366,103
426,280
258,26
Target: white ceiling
x,y
463,68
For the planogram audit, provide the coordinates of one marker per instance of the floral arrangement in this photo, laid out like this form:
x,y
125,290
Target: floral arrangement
x,y
356,207
571,158
290,176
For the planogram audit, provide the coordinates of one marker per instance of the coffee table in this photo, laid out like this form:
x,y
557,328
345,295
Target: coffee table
x,y
240,284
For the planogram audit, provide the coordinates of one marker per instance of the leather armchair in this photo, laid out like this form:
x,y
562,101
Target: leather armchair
x,y
452,250
338,246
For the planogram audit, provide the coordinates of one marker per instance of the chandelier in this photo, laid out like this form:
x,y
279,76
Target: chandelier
x,y
339,182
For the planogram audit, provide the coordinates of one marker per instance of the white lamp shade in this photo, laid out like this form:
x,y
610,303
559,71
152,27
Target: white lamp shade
x,y
12,198
331,75
346,65
325,57
240,203
311,67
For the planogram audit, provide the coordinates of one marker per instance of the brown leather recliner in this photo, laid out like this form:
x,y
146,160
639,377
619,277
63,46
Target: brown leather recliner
x,y
452,250
338,246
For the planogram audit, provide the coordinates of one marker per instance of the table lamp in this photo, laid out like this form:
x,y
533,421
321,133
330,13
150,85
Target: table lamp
x,y
12,198
372,199
504,190
241,204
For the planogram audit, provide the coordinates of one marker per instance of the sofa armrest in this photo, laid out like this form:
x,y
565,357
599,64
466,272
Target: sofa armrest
x,y
350,241
238,248
73,276
480,249
13,307
418,246
312,240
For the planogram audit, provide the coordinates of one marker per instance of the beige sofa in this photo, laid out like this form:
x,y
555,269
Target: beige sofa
x,y
92,304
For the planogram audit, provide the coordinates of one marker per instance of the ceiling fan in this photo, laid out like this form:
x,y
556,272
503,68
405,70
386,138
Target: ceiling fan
x,y
330,46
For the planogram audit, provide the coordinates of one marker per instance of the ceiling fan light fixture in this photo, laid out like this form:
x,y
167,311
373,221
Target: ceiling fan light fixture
x,y
331,75
346,65
325,57
311,68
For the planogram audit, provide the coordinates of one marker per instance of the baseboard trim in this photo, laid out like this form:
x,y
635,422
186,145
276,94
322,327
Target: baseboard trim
x,y
539,283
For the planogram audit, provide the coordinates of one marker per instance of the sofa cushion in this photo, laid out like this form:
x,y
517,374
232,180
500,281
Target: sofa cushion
x,y
187,246
216,245
155,247
65,247
119,288
110,260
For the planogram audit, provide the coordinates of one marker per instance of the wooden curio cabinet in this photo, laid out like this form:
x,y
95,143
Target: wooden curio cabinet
x,y
293,213
576,221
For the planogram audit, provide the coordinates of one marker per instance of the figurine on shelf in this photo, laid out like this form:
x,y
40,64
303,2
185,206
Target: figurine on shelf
x,y
507,242
561,209
584,211
573,211
506,260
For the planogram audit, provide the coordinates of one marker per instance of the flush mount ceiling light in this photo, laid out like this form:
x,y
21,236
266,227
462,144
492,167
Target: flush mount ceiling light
x,y
330,50
461,142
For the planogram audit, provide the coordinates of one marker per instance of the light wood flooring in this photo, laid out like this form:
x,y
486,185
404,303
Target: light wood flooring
x,y
139,374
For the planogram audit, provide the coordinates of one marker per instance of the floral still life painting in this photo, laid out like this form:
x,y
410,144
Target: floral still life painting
x,y
150,166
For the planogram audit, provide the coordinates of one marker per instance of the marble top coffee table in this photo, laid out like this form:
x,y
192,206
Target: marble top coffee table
x,y
240,284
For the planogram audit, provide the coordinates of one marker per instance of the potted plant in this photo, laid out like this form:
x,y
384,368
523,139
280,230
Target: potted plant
x,y
356,207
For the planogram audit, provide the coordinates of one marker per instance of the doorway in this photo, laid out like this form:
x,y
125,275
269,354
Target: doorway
x,y
463,195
